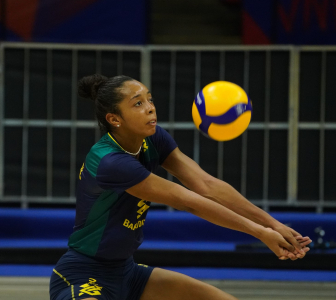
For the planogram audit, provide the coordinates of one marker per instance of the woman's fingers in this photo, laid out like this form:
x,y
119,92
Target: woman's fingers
x,y
305,242
290,235
295,233
283,248
302,238
293,241
283,243
295,254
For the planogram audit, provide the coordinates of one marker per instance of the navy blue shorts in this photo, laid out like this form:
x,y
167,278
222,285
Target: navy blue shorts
x,y
77,276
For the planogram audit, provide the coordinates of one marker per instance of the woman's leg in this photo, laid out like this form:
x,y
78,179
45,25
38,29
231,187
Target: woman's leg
x,y
168,285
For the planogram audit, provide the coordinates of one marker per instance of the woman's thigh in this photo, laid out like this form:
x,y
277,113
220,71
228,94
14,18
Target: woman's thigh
x,y
167,285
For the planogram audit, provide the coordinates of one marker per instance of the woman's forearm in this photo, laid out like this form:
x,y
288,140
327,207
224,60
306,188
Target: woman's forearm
x,y
219,214
159,190
224,194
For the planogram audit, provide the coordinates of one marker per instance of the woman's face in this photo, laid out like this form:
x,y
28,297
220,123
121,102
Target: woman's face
x,y
137,109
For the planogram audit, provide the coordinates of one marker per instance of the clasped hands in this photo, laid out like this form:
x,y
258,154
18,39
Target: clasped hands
x,y
285,242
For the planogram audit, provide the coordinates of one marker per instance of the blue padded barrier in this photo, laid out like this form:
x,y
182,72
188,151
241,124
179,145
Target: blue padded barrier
x,y
50,228
181,229
35,228
198,273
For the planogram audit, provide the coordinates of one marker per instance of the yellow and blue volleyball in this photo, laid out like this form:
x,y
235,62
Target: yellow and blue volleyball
x,y
222,110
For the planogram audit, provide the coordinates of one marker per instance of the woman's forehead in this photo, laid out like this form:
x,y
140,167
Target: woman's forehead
x,y
131,88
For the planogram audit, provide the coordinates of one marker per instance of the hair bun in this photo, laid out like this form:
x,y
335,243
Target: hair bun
x,y
88,86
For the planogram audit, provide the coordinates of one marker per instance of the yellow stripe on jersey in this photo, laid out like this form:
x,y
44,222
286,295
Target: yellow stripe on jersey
x,y
115,141
143,142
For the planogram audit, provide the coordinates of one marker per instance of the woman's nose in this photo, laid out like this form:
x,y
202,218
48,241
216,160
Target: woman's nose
x,y
151,108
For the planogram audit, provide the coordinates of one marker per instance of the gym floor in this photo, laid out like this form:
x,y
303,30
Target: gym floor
x,y
36,288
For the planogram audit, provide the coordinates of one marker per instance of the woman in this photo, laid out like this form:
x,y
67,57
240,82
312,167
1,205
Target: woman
x,y
116,186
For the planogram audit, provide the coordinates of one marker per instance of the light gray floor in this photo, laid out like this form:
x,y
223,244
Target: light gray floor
x,y
277,290
36,288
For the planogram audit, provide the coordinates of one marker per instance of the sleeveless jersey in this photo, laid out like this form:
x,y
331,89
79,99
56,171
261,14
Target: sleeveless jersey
x,y
109,221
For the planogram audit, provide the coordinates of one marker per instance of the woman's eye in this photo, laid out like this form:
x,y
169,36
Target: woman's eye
x,y
151,100
138,103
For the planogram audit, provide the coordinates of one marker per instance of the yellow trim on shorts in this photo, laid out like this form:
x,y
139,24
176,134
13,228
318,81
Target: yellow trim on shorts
x,y
72,287
72,292
62,277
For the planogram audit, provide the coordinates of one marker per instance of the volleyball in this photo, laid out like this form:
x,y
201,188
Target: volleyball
x,y
222,110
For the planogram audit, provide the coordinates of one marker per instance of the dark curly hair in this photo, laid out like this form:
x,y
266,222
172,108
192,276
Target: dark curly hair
x,y
105,92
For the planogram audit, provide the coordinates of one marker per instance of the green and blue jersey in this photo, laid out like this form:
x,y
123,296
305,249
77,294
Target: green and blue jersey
x,y
109,221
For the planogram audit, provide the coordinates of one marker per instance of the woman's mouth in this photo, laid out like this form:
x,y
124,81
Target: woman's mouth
x,y
153,122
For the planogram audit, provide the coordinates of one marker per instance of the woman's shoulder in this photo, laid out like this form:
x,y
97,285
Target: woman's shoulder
x,y
160,134
102,151
163,143
102,148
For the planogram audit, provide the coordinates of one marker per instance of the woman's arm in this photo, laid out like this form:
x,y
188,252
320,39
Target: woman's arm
x,y
197,180
159,190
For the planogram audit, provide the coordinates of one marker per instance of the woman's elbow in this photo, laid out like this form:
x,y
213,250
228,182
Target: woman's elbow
x,y
205,187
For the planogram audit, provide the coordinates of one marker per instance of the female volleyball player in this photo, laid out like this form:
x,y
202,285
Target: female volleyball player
x,y
115,189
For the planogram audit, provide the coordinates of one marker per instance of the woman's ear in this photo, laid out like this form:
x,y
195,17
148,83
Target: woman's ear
x,y
113,119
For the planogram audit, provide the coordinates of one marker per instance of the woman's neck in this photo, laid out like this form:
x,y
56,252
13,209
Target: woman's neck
x,y
131,144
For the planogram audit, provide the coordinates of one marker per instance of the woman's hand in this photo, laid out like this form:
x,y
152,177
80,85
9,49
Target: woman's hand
x,y
276,242
295,239
304,241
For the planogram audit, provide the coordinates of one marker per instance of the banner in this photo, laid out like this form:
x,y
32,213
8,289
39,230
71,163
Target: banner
x,y
74,21
289,22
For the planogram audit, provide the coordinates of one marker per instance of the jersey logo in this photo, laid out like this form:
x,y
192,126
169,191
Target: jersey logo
x,y
144,146
91,288
127,223
143,208
80,172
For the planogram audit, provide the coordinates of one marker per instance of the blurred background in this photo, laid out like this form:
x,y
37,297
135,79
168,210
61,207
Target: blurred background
x,y
282,52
